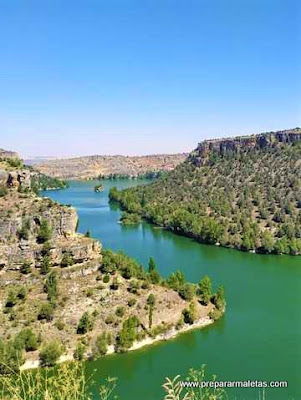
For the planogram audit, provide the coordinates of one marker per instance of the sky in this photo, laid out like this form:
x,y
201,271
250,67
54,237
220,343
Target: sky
x,y
142,77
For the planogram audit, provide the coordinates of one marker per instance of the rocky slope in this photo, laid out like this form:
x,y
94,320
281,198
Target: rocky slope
x,y
240,192
108,166
62,295
23,216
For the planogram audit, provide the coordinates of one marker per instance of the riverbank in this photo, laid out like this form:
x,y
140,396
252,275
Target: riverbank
x,y
172,334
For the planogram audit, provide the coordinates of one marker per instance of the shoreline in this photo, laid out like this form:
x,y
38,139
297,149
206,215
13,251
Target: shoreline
x,y
171,334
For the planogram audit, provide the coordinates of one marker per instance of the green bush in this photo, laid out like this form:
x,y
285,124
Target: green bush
x,y
50,353
46,312
120,311
67,260
85,323
45,232
25,268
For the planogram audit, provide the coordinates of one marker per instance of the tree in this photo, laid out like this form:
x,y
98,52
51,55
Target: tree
x,y
151,265
219,298
85,323
44,233
45,265
267,242
128,334
205,288
100,345
50,353
187,291
151,300
50,287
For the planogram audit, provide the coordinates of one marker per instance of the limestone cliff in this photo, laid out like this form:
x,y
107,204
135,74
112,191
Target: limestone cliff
x,y
223,147
23,216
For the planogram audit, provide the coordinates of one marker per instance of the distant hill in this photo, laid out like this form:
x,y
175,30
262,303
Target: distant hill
x,y
242,192
90,167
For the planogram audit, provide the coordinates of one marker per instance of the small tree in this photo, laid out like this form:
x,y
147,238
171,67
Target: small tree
x,y
151,264
151,300
67,260
44,233
45,265
50,287
205,287
50,353
128,334
25,268
12,299
85,323
100,347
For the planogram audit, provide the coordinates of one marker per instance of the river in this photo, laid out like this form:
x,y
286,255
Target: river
x,y
259,336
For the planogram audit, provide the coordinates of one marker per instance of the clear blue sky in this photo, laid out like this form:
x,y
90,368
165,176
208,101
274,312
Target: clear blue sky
x,y
141,76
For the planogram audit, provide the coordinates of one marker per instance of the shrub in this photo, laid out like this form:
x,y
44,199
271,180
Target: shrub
x,y
67,260
50,287
132,302
46,312
110,319
11,357
190,314
120,311
25,268
44,233
22,293
100,347
106,278
28,340
45,265
79,352
11,300
85,323
60,325
50,353
115,284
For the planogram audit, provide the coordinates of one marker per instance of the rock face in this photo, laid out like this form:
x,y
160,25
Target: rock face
x,y
223,147
22,215
105,166
8,154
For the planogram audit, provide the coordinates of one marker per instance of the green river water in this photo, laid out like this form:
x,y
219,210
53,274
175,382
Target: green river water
x,y
259,336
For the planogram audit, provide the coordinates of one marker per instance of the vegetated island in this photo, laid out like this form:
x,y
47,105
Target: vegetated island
x,y
63,297
110,167
242,192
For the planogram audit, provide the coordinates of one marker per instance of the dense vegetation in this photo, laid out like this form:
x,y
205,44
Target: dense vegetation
x,y
123,325
44,182
249,200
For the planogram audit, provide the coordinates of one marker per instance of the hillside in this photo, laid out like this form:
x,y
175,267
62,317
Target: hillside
x,y
90,167
242,192
63,297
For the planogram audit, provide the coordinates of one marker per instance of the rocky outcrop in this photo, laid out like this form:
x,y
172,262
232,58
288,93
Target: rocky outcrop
x,y
106,166
222,147
22,216
8,154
